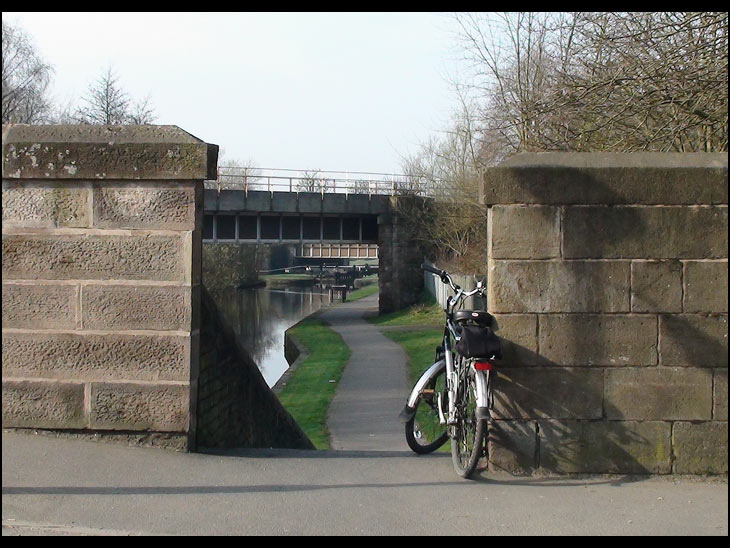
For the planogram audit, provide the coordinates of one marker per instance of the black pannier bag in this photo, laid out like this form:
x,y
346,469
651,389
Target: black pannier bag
x,y
479,342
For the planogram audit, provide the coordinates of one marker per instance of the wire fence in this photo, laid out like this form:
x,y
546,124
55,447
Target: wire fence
x,y
320,181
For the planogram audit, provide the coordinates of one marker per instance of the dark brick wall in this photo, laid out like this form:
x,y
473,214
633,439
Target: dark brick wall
x,y
235,407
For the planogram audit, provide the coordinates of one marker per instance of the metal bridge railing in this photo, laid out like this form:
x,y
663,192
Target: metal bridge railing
x,y
342,182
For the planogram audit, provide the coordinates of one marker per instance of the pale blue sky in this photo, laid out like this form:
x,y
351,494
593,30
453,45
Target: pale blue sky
x,y
338,91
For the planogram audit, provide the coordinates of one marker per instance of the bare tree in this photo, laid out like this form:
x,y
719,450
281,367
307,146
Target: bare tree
x,y
26,77
447,169
238,175
568,81
599,81
107,103
142,112
314,180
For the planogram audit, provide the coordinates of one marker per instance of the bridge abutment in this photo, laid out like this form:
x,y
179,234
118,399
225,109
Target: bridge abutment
x,y
608,276
101,264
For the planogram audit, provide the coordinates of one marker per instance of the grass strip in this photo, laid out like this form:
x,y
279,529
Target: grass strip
x,y
426,312
311,387
363,292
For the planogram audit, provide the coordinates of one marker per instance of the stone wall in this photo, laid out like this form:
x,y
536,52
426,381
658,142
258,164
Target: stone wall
x,y
608,276
401,253
101,245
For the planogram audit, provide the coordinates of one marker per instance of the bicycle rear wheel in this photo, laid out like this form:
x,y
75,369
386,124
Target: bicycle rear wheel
x,y
469,432
424,431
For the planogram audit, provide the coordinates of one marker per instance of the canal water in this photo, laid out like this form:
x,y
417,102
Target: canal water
x,y
259,317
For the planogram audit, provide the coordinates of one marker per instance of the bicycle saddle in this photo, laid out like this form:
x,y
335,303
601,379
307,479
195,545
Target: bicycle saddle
x,y
479,317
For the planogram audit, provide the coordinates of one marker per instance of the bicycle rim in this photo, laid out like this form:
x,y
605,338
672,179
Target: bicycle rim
x,y
424,432
468,433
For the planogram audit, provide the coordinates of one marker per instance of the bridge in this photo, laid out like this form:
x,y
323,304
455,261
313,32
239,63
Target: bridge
x,y
317,217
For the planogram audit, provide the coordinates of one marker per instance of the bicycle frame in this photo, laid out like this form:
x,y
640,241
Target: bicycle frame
x,y
482,378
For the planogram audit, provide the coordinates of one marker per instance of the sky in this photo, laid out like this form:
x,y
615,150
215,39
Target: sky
x,y
330,91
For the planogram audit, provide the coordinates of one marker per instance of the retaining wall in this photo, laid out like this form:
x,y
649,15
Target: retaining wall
x,y
608,276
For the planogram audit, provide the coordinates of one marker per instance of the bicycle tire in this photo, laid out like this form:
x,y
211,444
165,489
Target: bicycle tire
x,y
468,434
424,432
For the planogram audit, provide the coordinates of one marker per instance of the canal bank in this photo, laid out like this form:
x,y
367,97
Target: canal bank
x,y
363,413
317,356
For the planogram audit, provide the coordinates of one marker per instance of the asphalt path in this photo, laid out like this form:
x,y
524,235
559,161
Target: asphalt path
x,y
364,412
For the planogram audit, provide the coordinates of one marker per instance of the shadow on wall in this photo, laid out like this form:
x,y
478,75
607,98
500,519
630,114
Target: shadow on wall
x,y
563,406
553,418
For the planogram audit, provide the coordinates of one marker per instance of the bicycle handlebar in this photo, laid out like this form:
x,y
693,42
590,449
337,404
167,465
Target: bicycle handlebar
x,y
445,278
433,270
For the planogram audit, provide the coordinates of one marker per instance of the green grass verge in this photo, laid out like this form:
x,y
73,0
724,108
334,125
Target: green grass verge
x,y
309,390
363,292
427,312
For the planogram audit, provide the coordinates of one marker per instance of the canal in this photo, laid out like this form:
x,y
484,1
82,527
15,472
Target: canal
x,y
259,318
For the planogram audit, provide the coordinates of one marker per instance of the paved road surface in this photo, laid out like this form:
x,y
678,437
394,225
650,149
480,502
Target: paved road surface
x,y
373,388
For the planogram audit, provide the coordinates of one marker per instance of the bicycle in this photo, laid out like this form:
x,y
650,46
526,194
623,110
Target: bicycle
x,y
453,398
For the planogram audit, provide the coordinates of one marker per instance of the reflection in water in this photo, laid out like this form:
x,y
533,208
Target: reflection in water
x,y
259,317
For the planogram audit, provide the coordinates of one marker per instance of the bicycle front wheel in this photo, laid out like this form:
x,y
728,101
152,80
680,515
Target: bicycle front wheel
x,y
424,431
469,432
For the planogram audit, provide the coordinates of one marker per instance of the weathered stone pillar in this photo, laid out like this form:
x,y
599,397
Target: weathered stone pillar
x,y
101,246
401,252
608,276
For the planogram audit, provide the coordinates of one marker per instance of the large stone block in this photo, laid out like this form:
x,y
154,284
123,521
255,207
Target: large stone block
x,y
82,356
168,206
693,339
136,307
133,406
512,446
607,178
525,232
605,447
105,152
656,286
658,393
518,333
645,232
559,286
94,256
39,306
558,393
700,448
43,404
705,286
46,204
609,340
